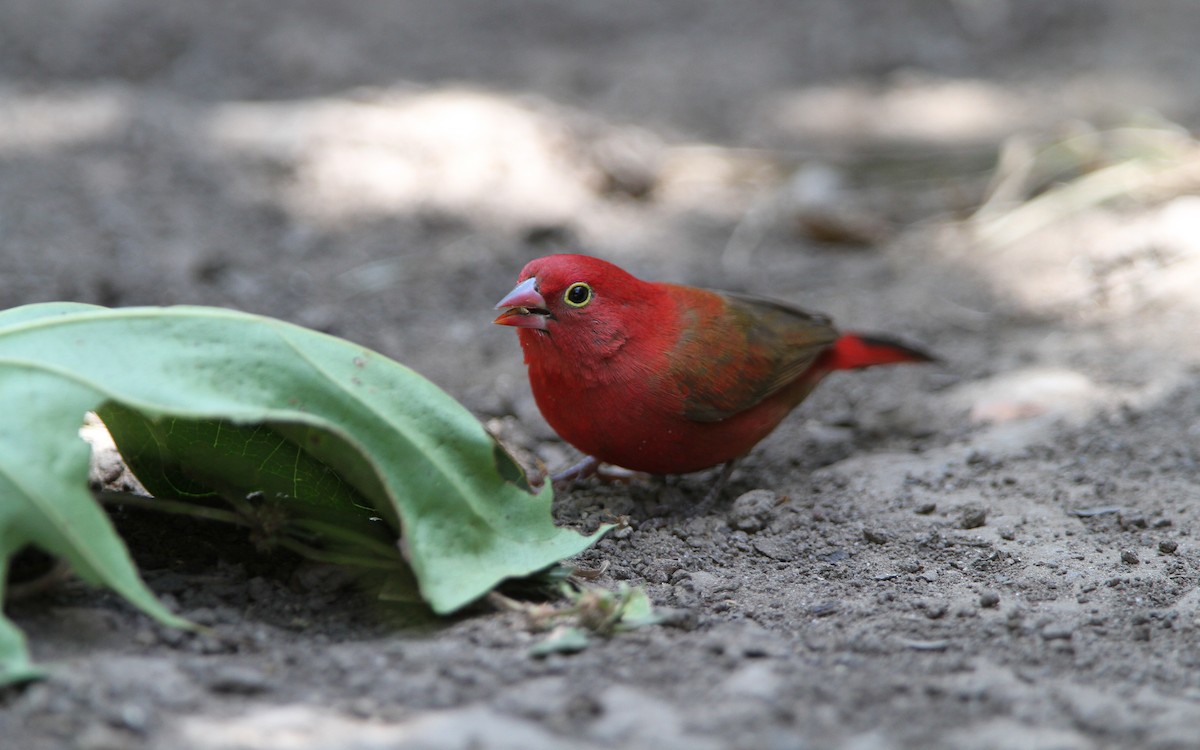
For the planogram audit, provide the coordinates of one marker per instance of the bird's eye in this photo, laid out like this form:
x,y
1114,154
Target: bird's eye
x,y
578,294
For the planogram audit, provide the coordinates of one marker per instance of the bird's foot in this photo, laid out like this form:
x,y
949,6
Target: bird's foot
x,y
591,466
582,470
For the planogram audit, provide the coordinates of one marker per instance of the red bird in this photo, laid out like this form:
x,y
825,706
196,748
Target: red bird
x,y
669,379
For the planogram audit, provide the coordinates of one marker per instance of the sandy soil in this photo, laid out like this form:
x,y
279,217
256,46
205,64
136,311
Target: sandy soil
x,y
993,553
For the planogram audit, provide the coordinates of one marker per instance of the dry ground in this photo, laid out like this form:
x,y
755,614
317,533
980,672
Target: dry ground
x,y
993,553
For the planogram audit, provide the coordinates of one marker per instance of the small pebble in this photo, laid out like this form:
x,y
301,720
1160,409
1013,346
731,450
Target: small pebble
x,y
876,537
934,610
1168,546
1105,510
754,510
1129,557
823,609
924,509
989,599
972,518
1132,521
131,715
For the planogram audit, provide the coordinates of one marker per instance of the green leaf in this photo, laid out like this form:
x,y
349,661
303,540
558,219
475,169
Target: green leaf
x,y
186,458
637,611
348,434
565,639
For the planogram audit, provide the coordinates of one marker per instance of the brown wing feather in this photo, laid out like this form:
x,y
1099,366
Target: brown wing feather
x,y
739,349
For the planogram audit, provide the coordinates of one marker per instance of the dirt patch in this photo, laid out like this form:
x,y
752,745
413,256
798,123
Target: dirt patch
x,y
997,552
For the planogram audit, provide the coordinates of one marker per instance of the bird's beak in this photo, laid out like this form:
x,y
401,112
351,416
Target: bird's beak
x,y
523,307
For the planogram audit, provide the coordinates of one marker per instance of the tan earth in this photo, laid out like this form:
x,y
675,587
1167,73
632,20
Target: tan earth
x,y
997,552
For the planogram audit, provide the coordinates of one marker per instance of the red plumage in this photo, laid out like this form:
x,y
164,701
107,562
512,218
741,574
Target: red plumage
x,y
670,379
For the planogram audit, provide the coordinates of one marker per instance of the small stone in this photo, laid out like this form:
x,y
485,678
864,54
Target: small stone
x,y
1007,533
823,609
989,599
976,458
925,509
835,556
131,715
1132,521
753,510
1129,557
707,586
876,537
972,518
934,610
1168,546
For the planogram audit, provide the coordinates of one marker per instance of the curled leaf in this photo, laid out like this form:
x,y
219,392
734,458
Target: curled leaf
x,y
210,401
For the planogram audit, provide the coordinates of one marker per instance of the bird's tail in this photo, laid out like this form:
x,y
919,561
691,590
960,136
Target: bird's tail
x,y
855,350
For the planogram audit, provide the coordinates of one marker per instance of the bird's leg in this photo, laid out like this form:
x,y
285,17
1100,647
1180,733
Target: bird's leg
x,y
582,470
591,466
718,486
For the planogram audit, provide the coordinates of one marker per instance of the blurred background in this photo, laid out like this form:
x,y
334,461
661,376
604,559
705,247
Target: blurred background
x,y
382,170
1013,184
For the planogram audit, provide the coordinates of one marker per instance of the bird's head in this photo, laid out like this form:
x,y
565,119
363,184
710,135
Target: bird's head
x,y
568,292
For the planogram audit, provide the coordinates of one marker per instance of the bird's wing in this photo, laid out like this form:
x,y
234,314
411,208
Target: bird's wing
x,y
750,348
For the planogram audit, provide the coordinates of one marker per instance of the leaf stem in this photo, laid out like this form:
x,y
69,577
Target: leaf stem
x,y
44,582
178,507
312,553
379,560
